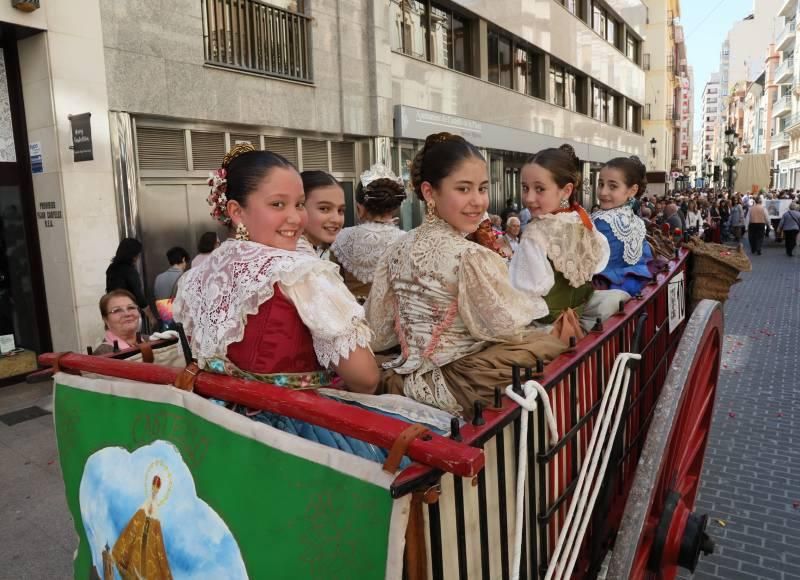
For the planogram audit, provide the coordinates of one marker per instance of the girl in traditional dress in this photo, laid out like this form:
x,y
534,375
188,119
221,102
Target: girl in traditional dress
x,y
620,180
378,195
560,250
258,309
447,301
325,209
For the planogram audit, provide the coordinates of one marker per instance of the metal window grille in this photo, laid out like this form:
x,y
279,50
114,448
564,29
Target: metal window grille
x,y
253,36
208,149
163,149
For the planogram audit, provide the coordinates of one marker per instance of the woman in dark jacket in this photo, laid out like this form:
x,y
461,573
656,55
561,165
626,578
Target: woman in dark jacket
x,y
122,274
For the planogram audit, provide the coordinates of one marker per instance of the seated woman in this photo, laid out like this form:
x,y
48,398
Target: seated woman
x,y
378,195
446,300
560,250
122,320
258,309
619,181
325,208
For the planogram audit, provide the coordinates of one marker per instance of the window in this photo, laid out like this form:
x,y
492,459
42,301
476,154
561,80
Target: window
x,y
499,59
633,118
283,52
409,30
448,39
599,103
527,64
632,49
599,20
557,85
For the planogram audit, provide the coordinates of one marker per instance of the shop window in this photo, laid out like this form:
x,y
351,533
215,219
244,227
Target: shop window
x,y
500,59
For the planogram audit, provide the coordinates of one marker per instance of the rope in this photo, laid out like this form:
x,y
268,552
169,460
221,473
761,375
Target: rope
x,y
591,477
531,390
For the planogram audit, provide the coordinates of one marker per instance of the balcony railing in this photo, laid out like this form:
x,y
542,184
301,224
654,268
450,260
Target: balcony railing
x,y
786,35
782,106
785,70
256,37
779,140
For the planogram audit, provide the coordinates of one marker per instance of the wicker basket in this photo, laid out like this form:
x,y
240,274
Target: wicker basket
x,y
715,269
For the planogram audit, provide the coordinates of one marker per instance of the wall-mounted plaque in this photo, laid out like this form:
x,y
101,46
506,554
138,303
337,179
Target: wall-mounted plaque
x,y
81,137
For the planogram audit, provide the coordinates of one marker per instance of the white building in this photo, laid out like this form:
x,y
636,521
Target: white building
x,y
330,84
786,109
711,107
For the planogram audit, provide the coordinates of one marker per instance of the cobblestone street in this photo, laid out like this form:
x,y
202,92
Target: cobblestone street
x,y
751,480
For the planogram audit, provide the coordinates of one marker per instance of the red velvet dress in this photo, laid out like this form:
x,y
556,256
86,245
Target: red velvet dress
x,y
275,340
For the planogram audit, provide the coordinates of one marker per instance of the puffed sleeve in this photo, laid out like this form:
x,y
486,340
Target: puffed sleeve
x,y
491,308
380,308
530,270
605,250
329,311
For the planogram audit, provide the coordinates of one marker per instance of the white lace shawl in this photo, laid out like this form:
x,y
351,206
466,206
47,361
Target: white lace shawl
x,y
214,300
575,251
359,248
627,228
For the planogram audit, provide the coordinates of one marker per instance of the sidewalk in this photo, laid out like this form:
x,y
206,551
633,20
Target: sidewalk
x,y
37,538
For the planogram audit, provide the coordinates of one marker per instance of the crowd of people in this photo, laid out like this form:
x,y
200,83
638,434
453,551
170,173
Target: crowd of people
x,y
409,322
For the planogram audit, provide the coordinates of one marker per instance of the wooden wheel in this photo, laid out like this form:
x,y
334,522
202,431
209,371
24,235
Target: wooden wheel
x,y
659,531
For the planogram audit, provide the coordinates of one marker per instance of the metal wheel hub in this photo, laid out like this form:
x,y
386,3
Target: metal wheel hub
x,y
680,536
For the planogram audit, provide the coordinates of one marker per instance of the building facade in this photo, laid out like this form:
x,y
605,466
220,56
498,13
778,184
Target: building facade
x,y
786,108
166,89
665,53
711,106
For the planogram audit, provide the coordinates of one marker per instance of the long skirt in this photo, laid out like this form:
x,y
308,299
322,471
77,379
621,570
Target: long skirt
x,y
475,376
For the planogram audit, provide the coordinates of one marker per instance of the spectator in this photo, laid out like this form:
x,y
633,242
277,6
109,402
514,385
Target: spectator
x,y
673,217
511,207
694,220
123,275
207,243
166,283
757,226
790,226
510,239
122,320
737,220
524,217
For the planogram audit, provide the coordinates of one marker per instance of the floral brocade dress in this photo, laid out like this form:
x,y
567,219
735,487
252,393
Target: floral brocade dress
x,y
358,250
277,317
447,302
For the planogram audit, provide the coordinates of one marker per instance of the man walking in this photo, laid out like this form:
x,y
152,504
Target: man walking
x,y
790,226
757,226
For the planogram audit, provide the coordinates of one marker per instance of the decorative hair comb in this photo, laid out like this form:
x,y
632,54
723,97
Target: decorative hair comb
x,y
237,150
379,171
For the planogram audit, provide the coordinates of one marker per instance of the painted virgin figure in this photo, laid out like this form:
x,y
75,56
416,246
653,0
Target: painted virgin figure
x,y
139,552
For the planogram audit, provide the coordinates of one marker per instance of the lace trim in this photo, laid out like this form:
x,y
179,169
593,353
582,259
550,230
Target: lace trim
x,y
416,387
214,300
572,247
627,228
358,249
330,351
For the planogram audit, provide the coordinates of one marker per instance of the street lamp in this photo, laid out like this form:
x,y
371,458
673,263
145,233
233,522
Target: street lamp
x,y
653,148
730,160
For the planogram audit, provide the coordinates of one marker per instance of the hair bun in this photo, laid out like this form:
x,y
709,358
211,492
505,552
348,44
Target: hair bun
x,y
436,138
235,152
570,150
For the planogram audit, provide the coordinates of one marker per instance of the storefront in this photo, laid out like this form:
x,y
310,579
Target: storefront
x,y
24,329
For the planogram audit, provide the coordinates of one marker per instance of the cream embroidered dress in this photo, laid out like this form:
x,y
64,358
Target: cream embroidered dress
x,y
556,259
358,250
447,302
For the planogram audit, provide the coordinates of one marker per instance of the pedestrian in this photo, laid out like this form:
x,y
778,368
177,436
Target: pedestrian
x,y
737,220
166,283
207,243
693,218
757,226
790,226
122,319
123,275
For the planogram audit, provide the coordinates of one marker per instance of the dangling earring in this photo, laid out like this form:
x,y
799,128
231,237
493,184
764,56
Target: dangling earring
x,y
430,213
241,233
564,204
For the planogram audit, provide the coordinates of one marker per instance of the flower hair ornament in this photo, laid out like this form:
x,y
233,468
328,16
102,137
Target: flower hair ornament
x,y
218,181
